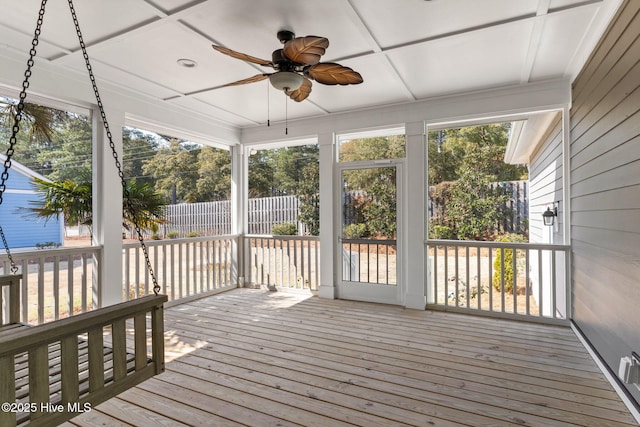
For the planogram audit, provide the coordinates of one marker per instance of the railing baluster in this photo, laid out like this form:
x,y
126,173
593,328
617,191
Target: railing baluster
x,y
85,282
295,264
491,288
207,263
173,273
435,274
502,296
514,279
201,265
468,281
446,275
553,312
56,287
23,292
479,276
527,279
136,280
457,276
70,283
541,302
41,289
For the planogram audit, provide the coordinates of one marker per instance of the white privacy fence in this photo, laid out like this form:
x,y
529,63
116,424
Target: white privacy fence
x,y
214,218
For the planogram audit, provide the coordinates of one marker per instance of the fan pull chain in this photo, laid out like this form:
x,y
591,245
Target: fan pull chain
x,y
268,106
127,195
16,126
286,115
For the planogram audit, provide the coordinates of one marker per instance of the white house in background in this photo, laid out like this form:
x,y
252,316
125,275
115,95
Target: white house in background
x,y
22,228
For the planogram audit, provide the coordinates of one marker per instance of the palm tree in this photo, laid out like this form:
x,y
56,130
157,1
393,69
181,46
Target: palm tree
x,y
74,201
146,209
40,119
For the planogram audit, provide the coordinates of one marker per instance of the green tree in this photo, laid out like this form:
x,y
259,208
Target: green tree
x,y
289,164
137,148
463,163
308,193
261,174
474,207
377,148
214,174
175,170
69,155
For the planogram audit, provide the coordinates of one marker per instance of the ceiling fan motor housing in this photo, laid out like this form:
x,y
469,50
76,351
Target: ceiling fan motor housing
x,y
285,35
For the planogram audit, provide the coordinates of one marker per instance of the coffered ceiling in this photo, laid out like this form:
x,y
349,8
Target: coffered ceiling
x,y
405,50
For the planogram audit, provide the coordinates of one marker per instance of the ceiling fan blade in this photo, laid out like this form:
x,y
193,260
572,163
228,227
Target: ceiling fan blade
x,y
256,78
330,73
302,92
242,56
305,50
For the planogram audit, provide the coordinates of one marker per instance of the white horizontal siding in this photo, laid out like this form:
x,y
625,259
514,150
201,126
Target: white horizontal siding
x,y
605,190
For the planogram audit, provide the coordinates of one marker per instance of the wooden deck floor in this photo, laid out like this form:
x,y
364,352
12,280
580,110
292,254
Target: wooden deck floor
x,y
249,357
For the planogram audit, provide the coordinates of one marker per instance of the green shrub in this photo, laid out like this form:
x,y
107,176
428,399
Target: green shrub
x,y
192,234
285,229
155,236
441,232
508,263
173,234
355,231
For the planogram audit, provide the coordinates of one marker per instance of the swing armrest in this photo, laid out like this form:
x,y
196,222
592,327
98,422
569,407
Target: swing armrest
x,y
10,299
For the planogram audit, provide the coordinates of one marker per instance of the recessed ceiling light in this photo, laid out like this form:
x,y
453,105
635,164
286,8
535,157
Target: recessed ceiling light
x,y
187,63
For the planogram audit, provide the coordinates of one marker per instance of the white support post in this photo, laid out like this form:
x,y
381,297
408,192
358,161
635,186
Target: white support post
x,y
239,181
416,216
107,208
328,237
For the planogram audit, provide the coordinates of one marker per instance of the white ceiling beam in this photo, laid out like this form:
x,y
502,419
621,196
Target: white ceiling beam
x,y
356,19
534,40
147,25
469,30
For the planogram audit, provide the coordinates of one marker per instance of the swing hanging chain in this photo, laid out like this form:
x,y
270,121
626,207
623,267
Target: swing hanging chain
x,y
16,126
103,116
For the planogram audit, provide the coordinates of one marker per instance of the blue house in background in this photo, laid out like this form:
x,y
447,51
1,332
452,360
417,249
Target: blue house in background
x,y
22,229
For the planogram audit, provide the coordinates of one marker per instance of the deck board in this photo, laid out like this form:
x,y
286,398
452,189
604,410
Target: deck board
x,y
250,357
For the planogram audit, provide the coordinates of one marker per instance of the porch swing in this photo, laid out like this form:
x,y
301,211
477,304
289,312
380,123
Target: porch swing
x,y
52,372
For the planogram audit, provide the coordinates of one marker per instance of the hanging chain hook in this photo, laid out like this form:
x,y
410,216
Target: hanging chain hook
x,y
16,126
128,202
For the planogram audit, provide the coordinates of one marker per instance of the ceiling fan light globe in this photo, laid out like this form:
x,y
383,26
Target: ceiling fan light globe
x,y
286,80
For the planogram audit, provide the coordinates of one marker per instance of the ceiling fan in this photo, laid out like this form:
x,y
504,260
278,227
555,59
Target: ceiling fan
x,y
295,65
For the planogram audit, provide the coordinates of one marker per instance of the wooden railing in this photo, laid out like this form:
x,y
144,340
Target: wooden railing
x,y
521,280
290,262
56,283
53,371
184,268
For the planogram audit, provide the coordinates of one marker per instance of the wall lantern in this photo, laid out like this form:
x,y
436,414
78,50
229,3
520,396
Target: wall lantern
x,y
549,216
